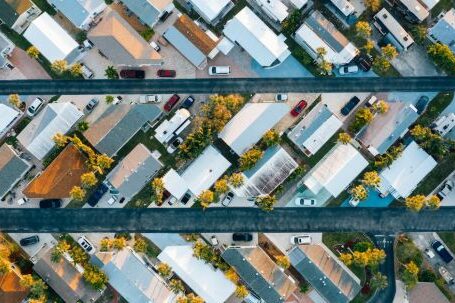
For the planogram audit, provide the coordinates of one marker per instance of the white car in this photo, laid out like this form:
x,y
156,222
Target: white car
x,y
227,199
86,245
354,202
429,253
214,240
219,70
155,46
112,200
301,240
87,73
150,99
34,108
117,100
281,97
174,145
348,69
305,202
22,201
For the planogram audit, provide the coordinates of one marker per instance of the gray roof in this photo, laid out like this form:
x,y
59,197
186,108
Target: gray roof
x,y
4,42
144,10
77,11
118,124
321,268
260,273
326,31
444,29
185,46
12,169
7,14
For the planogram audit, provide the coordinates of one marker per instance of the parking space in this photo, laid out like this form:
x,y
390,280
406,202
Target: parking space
x,y
46,242
225,239
415,62
283,240
96,63
446,191
335,101
93,238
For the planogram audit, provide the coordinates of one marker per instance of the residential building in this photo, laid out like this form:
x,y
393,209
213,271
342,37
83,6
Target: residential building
x,y
318,32
260,273
55,118
169,129
191,41
119,42
206,281
8,116
174,184
425,292
344,10
149,12
81,13
53,42
57,179
405,173
256,38
387,128
12,169
11,290
130,276
65,278
17,14
248,126
299,4
414,11
133,172
429,4
6,48
444,30
275,166
118,124
333,280
211,11
274,9
336,170
315,129
392,31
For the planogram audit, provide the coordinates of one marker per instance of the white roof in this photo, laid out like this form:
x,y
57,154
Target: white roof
x,y
207,282
336,170
175,184
430,3
249,125
253,35
211,8
225,45
54,118
50,38
274,9
165,131
7,116
407,171
322,134
299,3
205,170
344,6
394,27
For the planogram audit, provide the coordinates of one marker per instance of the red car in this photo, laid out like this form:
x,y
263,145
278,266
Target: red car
x,y
297,110
171,102
132,74
166,73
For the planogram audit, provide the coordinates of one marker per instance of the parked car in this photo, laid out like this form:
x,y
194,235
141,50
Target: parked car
x,y
446,189
227,199
174,145
243,237
155,46
301,240
97,194
117,100
219,70
92,104
354,202
299,108
442,251
50,203
422,104
364,62
150,99
429,253
132,74
86,245
371,101
87,73
281,97
348,107
166,73
29,240
305,202
122,199
214,240
171,102
35,107
112,200
22,201
189,101
348,69
446,275
186,198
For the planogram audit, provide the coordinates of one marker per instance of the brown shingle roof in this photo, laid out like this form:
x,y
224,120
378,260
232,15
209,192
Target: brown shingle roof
x,y
60,176
195,34
11,290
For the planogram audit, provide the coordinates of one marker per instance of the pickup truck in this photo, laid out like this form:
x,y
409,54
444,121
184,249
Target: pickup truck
x,y
446,275
442,251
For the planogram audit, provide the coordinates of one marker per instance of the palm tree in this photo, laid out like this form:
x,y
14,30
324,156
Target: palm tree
x,y
111,72
379,281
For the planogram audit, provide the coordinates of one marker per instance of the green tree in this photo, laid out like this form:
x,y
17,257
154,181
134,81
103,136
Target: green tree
x,y
389,51
344,138
379,281
362,117
37,286
363,29
271,138
241,291
82,126
88,179
359,193
158,190
415,203
410,275
381,63
371,178
419,32
206,198
111,73
33,52
292,22
221,186
15,100
266,202
95,276
164,269
368,46
196,142
78,255
283,262
443,57
176,286
433,202
59,66
140,245
119,243
250,158
77,193
373,5
236,180
381,107
76,69
109,99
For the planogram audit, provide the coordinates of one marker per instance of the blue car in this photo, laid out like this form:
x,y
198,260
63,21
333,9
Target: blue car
x,y
188,102
97,194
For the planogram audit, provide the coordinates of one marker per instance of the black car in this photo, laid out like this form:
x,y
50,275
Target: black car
x,y
132,74
50,203
244,237
422,104
97,194
442,251
186,198
364,62
29,240
348,107
188,102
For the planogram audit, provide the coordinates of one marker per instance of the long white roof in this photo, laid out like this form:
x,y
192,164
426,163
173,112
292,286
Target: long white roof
x,y
211,8
336,171
322,134
274,8
175,184
50,38
253,35
167,128
407,171
207,282
7,116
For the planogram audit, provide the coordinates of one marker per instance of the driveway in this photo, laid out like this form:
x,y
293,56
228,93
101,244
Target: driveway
x,y
283,240
29,67
335,101
225,239
415,62
46,241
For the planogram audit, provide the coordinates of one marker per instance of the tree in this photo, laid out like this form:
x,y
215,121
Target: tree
x,y
363,246
266,202
95,276
442,56
369,46
33,52
373,5
78,255
37,286
381,63
232,275
140,245
415,203
81,36
59,66
433,202
104,162
15,100
410,274
379,281
381,107
77,193
325,67
111,73
164,269
109,99
344,138
371,178
105,244
76,69
271,138
250,158
60,140
236,180
389,51
158,190
119,243
359,193
59,249
283,261
363,29
292,22
362,117
221,186
206,197
176,286
196,141
88,179
346,258
5,266
241,291
419,32
82,126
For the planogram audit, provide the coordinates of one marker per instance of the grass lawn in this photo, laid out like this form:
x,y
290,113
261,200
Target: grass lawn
x,y
443,5
45,6
143,199
332,239
436,106
444,168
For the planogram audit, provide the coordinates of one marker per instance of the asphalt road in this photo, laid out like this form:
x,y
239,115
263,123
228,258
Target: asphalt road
x,y
387,268
319,219
226,85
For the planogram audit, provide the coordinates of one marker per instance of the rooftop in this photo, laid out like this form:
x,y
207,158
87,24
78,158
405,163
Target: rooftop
x,y
11,9
210,8
12,168
7,116
175,184
394,31
78,11
11,290
444,29
165,131
147,10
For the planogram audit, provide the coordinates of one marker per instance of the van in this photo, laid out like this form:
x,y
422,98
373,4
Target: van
x,y
34,108
371,101
219,70
86,72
